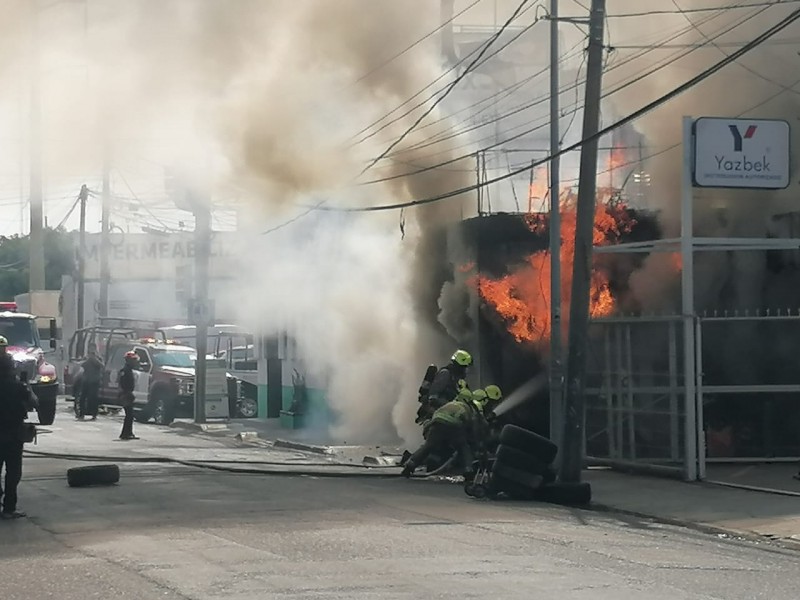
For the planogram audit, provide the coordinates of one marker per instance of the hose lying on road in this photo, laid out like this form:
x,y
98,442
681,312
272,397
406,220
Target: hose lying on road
x,y
358,471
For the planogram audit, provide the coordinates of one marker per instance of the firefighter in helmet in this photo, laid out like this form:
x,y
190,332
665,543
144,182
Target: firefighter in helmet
x,y
451,381
127,383
454,427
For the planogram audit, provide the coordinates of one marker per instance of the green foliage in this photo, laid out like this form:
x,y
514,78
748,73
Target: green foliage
x,y
59,257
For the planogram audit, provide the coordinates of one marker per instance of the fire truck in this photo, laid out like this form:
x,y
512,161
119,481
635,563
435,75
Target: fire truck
x,y
25,347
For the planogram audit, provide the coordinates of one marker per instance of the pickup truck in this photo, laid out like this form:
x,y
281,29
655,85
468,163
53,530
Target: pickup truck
x,y
25,348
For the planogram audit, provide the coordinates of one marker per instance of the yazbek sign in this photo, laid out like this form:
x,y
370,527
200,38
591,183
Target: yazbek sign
x,y
741,153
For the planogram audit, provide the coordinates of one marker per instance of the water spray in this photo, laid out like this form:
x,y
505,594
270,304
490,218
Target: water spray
x,y
522,394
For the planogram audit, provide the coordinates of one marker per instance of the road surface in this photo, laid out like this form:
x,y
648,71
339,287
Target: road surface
x,y
175,532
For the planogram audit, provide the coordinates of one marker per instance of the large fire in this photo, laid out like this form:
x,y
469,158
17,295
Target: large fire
x,y
522,298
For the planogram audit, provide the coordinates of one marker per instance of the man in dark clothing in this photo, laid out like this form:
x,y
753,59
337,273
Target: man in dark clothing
x,y
448,384
127,383
14,401
90,384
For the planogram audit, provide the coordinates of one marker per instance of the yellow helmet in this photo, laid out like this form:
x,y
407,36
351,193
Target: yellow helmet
x,y
493,392
462,357
479,399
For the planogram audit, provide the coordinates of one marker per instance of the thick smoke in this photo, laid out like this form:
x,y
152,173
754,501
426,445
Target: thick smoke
x,y
275,91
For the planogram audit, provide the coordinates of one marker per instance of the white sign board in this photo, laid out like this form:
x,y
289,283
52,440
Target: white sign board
x,y
741,153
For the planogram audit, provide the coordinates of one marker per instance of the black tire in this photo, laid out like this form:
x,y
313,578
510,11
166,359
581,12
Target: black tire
x,y
93,475
529,442
515,482
566,494
162,409
523,461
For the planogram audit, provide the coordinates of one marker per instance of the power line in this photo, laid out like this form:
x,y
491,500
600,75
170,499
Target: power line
x,y
780,26
449,88
478,49
418,42
69,212
544,121
701,9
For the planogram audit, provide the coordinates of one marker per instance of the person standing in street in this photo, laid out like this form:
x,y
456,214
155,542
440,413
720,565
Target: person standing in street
x,y
127,383
6,361
14,403
90,384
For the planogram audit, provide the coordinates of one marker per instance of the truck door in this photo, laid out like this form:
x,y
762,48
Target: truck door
x,y
109,390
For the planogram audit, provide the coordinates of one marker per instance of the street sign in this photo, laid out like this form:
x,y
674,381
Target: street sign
x,y
741,153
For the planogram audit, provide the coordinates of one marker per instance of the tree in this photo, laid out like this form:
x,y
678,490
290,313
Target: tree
x,y
59,253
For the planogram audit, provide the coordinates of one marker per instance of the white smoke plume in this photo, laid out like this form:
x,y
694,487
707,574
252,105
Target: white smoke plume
x,y
274,90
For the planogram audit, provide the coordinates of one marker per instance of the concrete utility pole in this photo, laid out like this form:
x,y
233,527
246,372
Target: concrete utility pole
x,y
556,350
575,401
105,245
36,279
84,196
202,232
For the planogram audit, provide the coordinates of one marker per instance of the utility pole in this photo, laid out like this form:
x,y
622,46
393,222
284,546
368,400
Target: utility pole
x,y
202,233
83,197
556,346
105,245
36,279
575,402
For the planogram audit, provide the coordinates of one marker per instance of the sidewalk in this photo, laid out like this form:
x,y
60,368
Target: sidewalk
x,y
713,507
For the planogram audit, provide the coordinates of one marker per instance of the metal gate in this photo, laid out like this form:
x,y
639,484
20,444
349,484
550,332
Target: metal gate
x,y
749,386
640,414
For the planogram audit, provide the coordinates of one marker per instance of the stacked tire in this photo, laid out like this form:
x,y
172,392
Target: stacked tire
x,y
523,470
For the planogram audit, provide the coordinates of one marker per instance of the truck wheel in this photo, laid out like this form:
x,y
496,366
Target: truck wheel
x,y
529,442
567,494
163,411
93,475
247,408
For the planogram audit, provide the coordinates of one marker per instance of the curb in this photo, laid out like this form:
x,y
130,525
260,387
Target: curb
x,y
751,536
301,446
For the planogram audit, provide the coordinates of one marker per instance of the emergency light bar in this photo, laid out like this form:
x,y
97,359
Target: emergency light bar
x,y
8,306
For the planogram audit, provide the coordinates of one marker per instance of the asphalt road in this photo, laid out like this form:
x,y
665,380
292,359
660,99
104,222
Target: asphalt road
x,y
175,532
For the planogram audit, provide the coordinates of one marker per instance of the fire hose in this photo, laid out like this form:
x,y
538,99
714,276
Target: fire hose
x,y
356,471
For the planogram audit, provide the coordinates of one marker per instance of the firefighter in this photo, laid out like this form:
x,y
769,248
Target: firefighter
x,y
494,396
454,426
127,383
90,384
449,383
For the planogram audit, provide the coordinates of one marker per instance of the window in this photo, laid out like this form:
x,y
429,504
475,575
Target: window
x,y
19,332
163,358
117,360
144,359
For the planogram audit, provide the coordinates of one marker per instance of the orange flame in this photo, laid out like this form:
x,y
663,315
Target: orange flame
x,y
522,298
539,188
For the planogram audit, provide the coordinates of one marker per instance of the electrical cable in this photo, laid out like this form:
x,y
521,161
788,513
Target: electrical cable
x,y
449,88
703,75
544,121
544,98
715,45
69,213
418,42
431,96
702,9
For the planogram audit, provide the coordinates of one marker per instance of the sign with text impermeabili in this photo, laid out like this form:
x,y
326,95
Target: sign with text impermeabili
x,y
741,153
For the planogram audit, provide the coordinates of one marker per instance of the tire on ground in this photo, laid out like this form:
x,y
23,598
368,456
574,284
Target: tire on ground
x,y
567,494
527,441
523,461
93,475
515,483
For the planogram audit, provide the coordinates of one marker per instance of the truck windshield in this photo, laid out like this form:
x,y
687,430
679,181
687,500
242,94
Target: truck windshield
x,y
173,359
19,332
